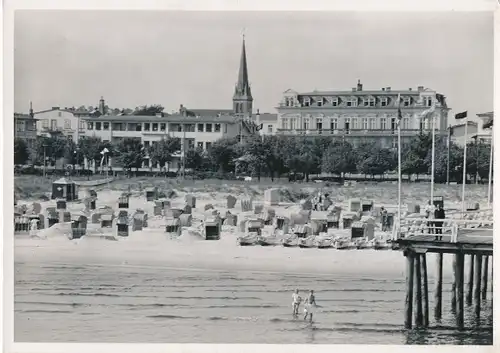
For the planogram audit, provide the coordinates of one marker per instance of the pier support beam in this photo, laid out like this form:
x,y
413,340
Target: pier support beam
x,y
454,283
409,289
438,289
425,293
418,293
470,283
459,278
484,288
477,285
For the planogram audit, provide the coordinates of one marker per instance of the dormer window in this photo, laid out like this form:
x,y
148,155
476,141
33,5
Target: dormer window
x,y
428,101
289,102
319,101
406,101
384,102
307,101
369,102
352,102
335,101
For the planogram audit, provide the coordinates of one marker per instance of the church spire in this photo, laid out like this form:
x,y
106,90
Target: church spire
x,y
242,98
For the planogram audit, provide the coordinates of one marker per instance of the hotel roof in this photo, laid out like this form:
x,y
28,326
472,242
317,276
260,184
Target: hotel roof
x,y
164,119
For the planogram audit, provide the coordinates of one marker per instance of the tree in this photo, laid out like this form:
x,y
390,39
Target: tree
x,y
21,153
90,147
195,159
55,148
130,153
339,158
150,110
222,154
478,159
161,152
378,162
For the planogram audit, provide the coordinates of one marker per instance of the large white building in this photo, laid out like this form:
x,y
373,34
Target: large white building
x,y
360,115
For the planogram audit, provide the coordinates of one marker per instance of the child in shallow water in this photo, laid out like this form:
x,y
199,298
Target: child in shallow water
x,y
296,302
310,305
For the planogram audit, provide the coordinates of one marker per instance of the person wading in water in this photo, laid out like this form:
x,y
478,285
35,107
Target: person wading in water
x,y
296,302
309,306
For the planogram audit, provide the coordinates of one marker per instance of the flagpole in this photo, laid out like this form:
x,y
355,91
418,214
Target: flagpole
x,y
399,176
490,172
433,152
464,173
448,160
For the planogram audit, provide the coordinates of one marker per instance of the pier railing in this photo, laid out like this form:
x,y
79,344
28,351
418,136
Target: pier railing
x,y
414,227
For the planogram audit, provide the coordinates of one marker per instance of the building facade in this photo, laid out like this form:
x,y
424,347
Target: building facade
x,y
361,116
25,128
269,123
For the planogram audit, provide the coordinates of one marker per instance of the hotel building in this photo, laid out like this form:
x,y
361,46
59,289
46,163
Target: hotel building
x,y
359,115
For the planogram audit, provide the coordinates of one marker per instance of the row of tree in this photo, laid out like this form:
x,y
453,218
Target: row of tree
x,y
271,156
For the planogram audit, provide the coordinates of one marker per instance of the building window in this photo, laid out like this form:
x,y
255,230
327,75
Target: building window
x,y
98,125
146,126
138,127
105,126
163,126
45,123
394,143
319,101
59,114
146,144
284,123
335,101
289,102
217,127
365,123
333,124
383,123
384,102
200,145
270,129
53,124
208,128
319,125
372,123
307,102
155,126
406,101
67,124
208,145
428,101
119,127
179,127
90,125
352,102
190,144
306,123
200,127
369,102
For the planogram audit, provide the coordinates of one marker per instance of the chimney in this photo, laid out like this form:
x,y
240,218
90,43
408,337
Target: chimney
x,y
420,88
383,88
102,106
258,112
31,109
388,89
409,89
354,89
359,86
55,108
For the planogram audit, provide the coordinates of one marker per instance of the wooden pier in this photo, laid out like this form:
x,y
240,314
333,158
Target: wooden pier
x,y
461,239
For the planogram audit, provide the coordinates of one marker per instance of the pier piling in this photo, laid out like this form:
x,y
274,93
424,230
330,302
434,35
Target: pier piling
x,y
477,285
418,292
459,275
454,283
409,289
470,283
484,281
425,293
438,289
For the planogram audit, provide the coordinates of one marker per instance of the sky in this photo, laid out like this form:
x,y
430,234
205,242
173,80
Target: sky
x,y
132,58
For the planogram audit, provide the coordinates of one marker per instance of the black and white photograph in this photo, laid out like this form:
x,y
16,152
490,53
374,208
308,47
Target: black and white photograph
x,y
252,177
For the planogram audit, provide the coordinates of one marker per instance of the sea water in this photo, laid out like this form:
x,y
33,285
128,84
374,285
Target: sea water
x,y
154,290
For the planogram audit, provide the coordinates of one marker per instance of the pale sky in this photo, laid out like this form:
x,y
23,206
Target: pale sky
x,y
72,58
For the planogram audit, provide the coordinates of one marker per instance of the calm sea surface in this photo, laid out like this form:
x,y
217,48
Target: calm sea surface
x,y
75,301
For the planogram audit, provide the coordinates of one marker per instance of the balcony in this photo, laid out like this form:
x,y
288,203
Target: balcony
x,y
350,132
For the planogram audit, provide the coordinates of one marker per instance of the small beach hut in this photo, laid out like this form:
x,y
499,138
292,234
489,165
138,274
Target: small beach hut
x,y
137,222
354,205
211,227
173,227
191,200
21,223
64,216
162,203
186,208
272,197
472,206
65,189
347,219
333,220
246,204
173,212
61,204
258,208
151,194
123,201
186,220
78,226
107,221
282,223
95,218
122,224
254,226
300,231
367,205
231,201
157,210
357,230
319,222
52,217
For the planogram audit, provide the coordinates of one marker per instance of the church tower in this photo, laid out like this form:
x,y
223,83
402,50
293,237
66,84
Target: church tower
x,y
242,98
